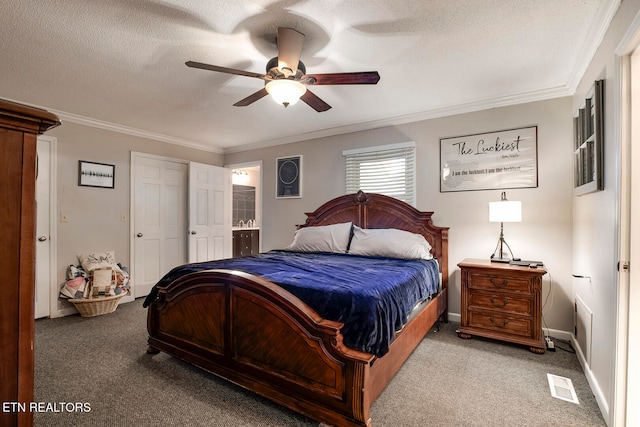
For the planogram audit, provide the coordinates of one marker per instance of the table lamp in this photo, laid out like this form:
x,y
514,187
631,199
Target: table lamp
x,y
504,211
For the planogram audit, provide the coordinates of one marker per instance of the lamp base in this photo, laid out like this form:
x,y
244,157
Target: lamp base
x,y
498,254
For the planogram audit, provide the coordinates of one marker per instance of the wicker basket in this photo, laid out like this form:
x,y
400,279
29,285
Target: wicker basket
x,y
97,306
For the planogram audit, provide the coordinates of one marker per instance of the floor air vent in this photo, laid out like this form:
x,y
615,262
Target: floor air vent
x,y
562,388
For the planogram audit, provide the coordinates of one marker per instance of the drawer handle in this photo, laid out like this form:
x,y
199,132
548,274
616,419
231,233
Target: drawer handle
x,y
504,322
504,303
504,283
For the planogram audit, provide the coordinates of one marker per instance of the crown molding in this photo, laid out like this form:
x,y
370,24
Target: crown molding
x,y
451,110
323,133
596,34
113,127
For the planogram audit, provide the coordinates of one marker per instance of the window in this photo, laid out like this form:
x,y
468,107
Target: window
x,y
387,169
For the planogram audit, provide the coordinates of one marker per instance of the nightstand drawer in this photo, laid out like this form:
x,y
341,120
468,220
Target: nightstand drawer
x,y
499,283
503,303
502,324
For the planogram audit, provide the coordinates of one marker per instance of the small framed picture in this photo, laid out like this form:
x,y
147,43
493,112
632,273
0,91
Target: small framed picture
x,y
289,177
91,174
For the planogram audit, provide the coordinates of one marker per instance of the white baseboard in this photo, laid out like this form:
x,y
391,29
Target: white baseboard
x,y
454,317
561,335
593,383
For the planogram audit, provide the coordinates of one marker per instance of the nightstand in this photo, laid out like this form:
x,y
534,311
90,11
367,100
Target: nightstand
x,y
502,302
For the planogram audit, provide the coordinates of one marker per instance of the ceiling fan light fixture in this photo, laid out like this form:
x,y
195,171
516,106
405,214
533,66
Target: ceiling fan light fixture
x,y
287,83
285,92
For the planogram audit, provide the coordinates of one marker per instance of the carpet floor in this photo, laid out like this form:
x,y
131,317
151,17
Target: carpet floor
x,y
95,372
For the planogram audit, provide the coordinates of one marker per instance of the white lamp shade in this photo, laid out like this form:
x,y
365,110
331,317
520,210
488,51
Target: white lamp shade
x,y
286,92
505,211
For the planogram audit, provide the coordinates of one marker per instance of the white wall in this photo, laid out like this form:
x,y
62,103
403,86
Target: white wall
x,y
595,221
94,214
544,234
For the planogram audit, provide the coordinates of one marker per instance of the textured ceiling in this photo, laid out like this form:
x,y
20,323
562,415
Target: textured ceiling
x,y
120,63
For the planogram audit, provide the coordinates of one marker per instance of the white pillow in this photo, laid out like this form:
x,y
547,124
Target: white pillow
x,y
98,260
322,238
389,242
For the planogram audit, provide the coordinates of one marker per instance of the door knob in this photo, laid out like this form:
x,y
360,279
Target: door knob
x,y
42,239
193,232
139,234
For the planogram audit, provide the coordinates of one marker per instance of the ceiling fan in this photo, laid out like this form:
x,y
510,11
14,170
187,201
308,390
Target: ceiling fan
x,y
286,79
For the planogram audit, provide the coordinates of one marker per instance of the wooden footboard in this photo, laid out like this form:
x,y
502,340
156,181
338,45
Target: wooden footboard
x,y
257,335
254,333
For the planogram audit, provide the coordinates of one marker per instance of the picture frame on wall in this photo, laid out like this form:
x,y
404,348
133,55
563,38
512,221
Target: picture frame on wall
x,y
503,159
92,174
289,177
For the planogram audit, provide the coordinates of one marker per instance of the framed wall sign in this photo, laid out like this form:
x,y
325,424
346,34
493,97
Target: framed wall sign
x,y
288,177
92,174
490,161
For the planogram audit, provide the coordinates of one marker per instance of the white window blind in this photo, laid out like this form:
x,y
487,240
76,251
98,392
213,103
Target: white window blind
x,y
388,170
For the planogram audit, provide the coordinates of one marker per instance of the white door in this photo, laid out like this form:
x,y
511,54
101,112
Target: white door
x,y
209,212
631,230
43,286
159,219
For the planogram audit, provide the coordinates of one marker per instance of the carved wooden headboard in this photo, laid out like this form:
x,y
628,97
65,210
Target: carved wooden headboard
x,y
379,211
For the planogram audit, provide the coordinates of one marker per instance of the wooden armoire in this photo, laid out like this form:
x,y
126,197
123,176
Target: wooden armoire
x,y
19,129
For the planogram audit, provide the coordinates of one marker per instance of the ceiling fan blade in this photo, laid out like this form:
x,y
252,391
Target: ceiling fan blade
x,y
314,102
359,78
251,98
209,67
289,48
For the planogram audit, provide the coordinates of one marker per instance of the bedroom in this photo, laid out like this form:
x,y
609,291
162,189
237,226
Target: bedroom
x,y
552,229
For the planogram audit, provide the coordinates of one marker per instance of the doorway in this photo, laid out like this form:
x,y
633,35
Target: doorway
x,y
627,373
180,211
247,184
633,370
46,292
158,219
210,197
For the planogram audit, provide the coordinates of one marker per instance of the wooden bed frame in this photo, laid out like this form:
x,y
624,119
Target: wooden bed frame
x,y
255,334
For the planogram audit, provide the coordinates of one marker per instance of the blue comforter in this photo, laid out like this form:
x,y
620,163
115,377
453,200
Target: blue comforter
x,y
372,296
